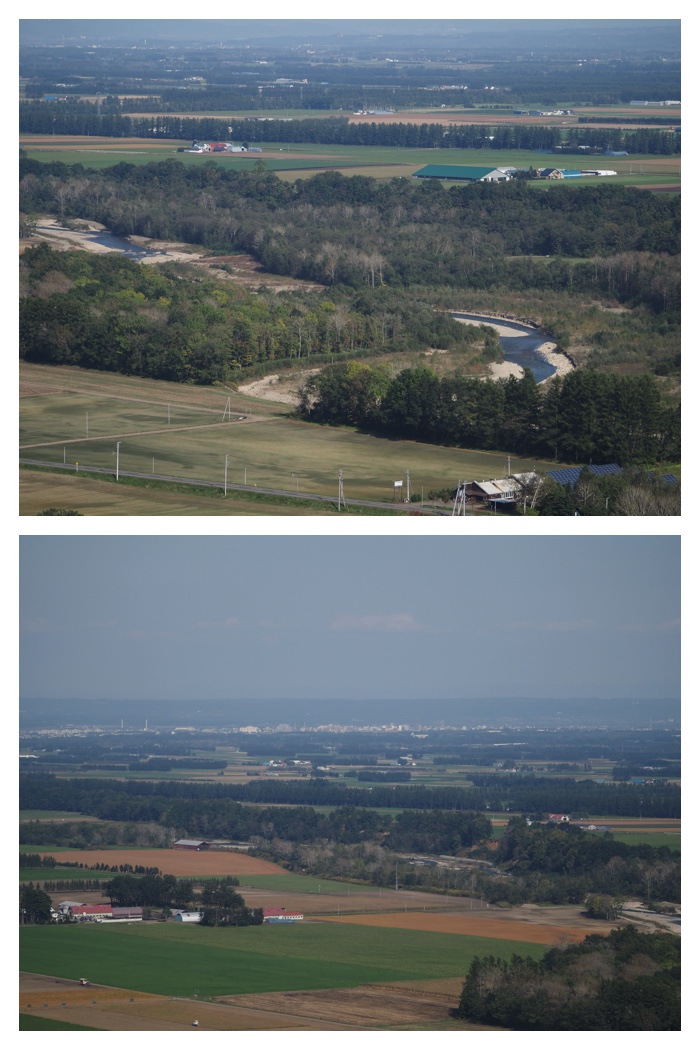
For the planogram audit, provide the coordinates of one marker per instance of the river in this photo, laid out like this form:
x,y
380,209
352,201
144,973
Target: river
x,y
520,343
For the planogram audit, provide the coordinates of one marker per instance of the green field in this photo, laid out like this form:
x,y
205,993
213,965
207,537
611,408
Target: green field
x,y
50,814
27,1023
290,883
170,959
61,874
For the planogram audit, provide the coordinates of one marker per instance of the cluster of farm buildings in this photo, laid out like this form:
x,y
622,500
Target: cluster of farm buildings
x,y
219,147
75,911
506,494
464,173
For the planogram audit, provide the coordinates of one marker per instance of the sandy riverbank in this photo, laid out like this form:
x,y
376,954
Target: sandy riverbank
x,y
50,230
548,350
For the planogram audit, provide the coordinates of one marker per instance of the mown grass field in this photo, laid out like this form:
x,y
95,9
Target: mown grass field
x,y
271,452
170,959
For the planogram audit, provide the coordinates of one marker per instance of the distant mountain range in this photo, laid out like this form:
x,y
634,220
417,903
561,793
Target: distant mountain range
x,y
518,711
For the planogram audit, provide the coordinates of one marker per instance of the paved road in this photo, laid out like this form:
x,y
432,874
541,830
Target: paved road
x,y
412,508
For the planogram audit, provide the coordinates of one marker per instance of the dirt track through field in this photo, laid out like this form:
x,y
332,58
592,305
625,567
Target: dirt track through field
x,y
173,861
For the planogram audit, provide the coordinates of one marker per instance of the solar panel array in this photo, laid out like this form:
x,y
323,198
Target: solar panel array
x,y
570,475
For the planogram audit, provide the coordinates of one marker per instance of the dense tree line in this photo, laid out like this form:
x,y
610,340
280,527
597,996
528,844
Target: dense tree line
x,y
586,416
35,860
82,118
136,801
627,981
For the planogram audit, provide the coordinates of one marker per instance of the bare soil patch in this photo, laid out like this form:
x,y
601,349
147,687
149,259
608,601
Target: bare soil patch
x,y
479,925
366,1006
37,989
174,861
280,387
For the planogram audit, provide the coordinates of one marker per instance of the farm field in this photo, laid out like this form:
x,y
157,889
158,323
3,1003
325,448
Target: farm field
x,y
38,875
304,160
171,959
179,862
264,450
423,1004
474,924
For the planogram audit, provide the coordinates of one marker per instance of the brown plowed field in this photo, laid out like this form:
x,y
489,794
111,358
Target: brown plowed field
x,y
476,926
118,1009
368,1006
175,861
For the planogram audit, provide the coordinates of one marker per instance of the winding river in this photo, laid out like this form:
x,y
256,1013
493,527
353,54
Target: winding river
x,y
520,343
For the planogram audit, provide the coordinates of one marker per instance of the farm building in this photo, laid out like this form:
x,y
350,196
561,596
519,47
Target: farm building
x,y
90,912
501,491
559,173
280,915
460,173
189,916
558,818
195,844
132,912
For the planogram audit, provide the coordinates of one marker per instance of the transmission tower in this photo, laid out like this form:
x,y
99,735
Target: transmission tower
x,y
460,504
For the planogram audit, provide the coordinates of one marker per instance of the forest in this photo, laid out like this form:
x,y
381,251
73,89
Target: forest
x,y
627,981
391,256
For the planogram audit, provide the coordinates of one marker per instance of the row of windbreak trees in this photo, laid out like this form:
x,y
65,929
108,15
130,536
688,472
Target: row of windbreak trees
x,y
137,801
586,416
82,118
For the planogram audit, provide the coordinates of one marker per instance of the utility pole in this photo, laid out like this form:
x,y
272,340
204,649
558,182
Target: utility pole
x,y
225,474
341,494
118,444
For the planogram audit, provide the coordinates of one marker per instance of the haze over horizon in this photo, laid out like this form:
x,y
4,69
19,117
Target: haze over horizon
x,y
334,617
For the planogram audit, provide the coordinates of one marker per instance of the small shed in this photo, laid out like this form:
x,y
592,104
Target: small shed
x,y
273,914
189,916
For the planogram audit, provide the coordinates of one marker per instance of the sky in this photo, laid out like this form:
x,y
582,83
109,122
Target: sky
x,y
313,617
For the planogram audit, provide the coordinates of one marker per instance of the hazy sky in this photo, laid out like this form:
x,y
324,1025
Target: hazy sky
x,y
362,616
